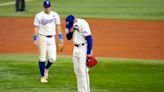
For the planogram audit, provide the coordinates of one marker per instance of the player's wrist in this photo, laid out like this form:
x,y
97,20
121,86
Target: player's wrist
x,y
35,37
89,55
60,37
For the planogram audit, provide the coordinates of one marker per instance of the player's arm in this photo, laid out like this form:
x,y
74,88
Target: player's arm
x,y
88,37
35,37
58,28
69,34
69,26
60,43
60,38
91,61
69,30
35,31
89,44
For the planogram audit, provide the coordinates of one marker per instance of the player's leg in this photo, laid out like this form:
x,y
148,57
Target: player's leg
x,y
84,80
81,70
51,55
17,5
51,52
82,76
42,56
76,70
22,5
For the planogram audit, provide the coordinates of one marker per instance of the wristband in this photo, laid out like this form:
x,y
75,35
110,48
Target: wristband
x,y
35,38
60,36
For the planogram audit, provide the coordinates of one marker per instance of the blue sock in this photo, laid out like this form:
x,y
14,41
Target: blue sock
x,y
48,64
41,67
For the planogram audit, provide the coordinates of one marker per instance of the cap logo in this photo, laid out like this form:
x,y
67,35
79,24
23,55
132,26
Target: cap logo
x,y
47,2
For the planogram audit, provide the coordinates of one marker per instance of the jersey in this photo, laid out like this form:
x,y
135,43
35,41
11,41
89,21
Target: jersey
x,y
81,30
46,23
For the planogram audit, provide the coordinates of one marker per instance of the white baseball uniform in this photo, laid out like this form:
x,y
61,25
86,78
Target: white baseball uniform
x,y
46,24
81,30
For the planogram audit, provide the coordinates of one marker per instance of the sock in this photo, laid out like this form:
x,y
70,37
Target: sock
x,y
48,64
41,67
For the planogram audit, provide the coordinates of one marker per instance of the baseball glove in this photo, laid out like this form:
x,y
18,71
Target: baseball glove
x,y
91,61
60,45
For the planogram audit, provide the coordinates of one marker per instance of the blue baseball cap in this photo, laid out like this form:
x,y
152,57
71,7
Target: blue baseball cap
x,y
70,18
46,3
69,21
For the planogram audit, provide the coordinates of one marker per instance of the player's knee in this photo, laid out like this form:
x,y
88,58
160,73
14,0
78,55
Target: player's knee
x,y
81,73
42,59
52,59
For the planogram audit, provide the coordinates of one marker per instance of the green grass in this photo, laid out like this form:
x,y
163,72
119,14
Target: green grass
x,y
20,73
3,1
106,9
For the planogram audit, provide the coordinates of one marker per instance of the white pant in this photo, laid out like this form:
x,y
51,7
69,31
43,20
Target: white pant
x,y
80,68
47,46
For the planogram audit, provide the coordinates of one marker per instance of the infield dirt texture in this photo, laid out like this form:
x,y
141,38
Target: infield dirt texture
x,y
112,38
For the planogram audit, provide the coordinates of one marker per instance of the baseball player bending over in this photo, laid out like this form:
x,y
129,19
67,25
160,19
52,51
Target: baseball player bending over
x,y
46,23
79,30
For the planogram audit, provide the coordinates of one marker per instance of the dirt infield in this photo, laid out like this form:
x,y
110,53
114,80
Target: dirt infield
x,y
112,38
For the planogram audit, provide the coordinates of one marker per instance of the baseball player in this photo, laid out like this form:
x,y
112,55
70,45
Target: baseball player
x,y
79,30
46,23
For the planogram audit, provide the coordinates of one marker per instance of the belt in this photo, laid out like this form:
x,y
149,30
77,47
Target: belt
x,y
48,36
79,45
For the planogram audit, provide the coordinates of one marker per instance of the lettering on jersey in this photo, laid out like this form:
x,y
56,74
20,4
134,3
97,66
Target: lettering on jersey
x,y
76,27
46,21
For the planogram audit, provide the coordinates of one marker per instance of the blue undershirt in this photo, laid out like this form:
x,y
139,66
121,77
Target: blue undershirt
x,y
89,42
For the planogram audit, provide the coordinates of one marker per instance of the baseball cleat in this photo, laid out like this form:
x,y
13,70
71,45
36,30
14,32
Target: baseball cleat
x,y
43,80
46,73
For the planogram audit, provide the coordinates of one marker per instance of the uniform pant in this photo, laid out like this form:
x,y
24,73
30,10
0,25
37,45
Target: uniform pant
x,y
47,46
80,68
20,5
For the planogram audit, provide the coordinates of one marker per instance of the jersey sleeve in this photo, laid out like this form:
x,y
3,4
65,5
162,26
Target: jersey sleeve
x,y
86,29
58,22
36,21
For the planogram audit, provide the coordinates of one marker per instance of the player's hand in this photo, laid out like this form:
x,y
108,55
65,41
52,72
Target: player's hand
x,y
89,55
71,30
35,43
60,45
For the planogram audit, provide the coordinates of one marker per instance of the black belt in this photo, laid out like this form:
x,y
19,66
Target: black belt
x,y
49,36
78,45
